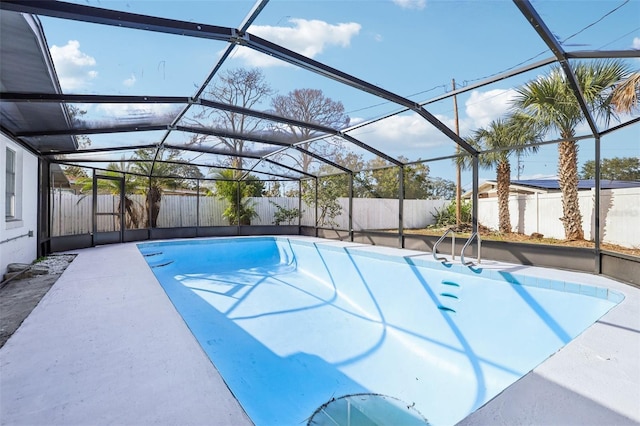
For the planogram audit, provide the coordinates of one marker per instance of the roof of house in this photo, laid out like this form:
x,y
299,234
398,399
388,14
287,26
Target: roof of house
x,y
58,178
27,67
547,185
553,184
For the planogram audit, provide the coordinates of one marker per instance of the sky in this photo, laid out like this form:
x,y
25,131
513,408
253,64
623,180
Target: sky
x,y
414,48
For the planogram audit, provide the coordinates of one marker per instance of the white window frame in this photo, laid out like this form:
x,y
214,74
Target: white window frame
x,y
11,176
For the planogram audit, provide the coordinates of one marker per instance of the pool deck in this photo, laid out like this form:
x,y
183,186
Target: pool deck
x,y
106,346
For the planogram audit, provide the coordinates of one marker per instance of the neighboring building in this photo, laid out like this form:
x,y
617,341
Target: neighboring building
x,y
489,188
27,67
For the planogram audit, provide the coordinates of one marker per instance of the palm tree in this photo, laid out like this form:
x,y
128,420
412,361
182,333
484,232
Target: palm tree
x,y
626,93
168,172
240,209
498,135
132,219
549,102
153,191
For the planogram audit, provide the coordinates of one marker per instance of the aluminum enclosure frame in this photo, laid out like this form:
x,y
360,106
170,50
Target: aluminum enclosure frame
x,y
240,37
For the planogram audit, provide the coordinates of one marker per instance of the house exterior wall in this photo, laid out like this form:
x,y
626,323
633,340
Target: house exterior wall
x,y
15,244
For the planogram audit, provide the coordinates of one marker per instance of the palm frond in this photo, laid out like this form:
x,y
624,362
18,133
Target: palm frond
x,y
625,94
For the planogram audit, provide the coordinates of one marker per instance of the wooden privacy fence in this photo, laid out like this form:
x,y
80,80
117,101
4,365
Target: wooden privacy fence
x,y
71,213
383,213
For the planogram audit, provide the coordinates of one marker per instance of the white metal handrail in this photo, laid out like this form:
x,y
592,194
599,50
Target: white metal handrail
x,y
475,235
453,245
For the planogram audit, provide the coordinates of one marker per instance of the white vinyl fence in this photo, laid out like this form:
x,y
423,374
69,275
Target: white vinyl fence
x,y
541,213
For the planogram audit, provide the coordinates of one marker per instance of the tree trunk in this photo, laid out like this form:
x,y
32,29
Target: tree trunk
x,y
153,206
568,180
131,216
503,171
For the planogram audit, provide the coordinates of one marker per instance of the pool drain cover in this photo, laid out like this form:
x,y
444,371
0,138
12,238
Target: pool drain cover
x,y
367,409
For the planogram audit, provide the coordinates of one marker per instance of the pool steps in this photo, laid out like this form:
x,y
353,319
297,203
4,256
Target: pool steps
x,y
453,296
448,296
158,265
160,262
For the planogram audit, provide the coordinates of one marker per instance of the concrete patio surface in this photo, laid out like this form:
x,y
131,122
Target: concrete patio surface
x,y
106,346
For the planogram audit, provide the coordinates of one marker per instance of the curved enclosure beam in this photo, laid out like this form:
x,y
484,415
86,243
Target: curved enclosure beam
x,y
246,22
240,37
277,51
148,23
547,36
96,15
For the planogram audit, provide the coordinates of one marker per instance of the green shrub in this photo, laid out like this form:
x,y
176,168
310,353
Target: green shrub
x,y
284,215
447,215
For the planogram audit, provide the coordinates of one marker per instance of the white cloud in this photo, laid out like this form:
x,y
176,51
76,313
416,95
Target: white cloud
x,y
143,113
411,4
409,133
636,43
307,37
402,133
484,107
73,66
129,82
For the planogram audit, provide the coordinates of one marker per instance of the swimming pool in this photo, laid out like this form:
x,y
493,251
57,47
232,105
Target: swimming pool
x,y
293,323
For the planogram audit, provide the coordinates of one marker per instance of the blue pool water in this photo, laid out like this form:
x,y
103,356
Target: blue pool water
x,y
308,331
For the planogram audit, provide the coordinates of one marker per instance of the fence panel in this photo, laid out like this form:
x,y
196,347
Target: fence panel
x,y
619,215
374,213
267,207
419,213
70,213
177,211
541,213
382,213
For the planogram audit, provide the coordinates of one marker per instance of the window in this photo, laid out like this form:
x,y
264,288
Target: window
x,y
10,191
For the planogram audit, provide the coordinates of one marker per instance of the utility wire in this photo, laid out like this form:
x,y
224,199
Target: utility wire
x,y
620,38
615,9
593,23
